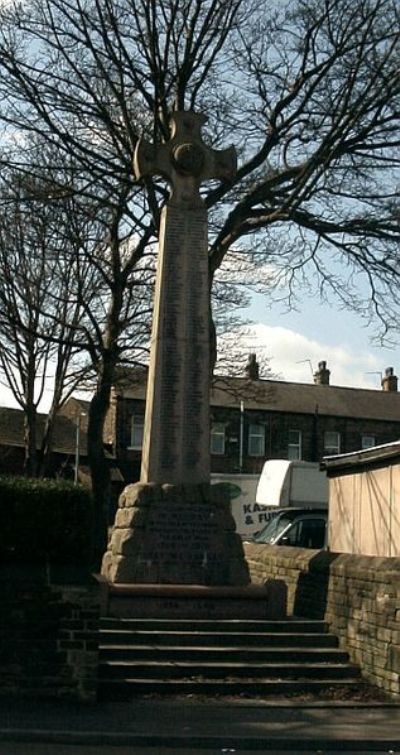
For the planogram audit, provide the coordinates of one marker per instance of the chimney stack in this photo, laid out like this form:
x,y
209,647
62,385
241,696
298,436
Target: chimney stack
x,y
252,369
389,381
321,376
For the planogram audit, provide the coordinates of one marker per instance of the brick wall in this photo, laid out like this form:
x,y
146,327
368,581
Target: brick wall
x,y
358,596
48,638
276,424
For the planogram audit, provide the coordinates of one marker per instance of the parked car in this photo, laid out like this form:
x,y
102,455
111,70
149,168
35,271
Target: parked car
x,y
300,527
282,483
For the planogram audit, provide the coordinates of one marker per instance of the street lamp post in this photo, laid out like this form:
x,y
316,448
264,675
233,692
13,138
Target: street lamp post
x,y
77,445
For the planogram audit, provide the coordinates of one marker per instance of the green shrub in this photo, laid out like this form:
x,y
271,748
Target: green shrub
x,y
45,521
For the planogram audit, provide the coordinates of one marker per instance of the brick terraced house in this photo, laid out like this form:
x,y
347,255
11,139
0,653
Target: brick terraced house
x,y
253,419
69,444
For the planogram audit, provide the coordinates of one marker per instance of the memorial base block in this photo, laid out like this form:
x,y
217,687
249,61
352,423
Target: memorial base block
x,y
172,534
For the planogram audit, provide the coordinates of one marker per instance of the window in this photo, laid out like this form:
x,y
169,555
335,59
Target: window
x,y
306,533
294,445
137,427
256,440
218,438
289,528
331,443
367,441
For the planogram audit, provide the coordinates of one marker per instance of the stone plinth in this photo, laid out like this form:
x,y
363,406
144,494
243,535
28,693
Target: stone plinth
x,y
171,534
136,601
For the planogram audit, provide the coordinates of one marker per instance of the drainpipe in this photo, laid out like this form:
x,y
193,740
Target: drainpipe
x,y
241,436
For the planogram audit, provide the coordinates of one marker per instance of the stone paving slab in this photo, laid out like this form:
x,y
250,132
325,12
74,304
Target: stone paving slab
x,y
181,724
13,748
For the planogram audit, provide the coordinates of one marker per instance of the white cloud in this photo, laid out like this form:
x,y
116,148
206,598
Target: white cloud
x,y
7,398
290,354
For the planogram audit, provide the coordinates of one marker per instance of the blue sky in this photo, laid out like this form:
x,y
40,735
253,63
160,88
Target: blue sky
x,y
319,332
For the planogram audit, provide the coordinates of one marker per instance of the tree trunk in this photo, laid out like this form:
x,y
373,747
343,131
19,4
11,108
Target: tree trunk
x,y
30,461
99,467
47,443
30,420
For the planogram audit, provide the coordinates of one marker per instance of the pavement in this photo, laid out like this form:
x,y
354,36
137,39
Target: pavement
x,y
184,723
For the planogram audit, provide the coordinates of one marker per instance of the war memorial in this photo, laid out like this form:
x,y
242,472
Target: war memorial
x,y
175,566
169,527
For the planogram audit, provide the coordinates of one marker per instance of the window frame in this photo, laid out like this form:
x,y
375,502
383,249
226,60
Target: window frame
x,y
332,449
214,433
138,420
254,436
298,445
364,436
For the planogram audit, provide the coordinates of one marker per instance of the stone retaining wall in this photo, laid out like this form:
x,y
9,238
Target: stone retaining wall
x,y
358,596
48,638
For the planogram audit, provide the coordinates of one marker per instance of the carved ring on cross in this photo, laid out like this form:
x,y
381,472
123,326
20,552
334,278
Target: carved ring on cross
x,y
189,159
185,161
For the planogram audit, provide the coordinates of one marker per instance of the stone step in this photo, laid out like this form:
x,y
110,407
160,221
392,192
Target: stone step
x,y
223,657
227,671
209,652
116,688
170,670
229,639
305,626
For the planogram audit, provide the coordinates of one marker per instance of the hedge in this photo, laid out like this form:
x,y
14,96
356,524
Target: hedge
x,y
45,521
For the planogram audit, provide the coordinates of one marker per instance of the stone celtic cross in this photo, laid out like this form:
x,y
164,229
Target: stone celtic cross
x,y
176,437
171,527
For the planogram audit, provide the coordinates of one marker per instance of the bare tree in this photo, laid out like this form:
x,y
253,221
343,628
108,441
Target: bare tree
x,y
308,92
42,287
321,136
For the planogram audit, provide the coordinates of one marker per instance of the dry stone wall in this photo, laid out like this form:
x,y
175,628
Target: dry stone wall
x,y
358,596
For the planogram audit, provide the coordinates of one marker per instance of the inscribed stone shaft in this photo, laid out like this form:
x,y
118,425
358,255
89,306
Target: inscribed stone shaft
x,y
176,436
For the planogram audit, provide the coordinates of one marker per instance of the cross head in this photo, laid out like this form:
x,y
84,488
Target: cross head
x,y
185,161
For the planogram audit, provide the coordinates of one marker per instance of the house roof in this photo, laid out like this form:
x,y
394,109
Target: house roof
x,y
65,430
282,396
308,398
64,441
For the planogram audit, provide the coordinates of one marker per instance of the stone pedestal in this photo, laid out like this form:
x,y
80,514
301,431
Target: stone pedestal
x,y
171,534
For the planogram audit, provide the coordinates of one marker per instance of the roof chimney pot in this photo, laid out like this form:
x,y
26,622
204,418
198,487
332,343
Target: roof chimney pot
x,y
389,381
322,375
252,368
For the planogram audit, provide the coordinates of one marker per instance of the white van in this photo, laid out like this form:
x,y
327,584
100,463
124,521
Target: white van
x,y
286,483
282,483
249,516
